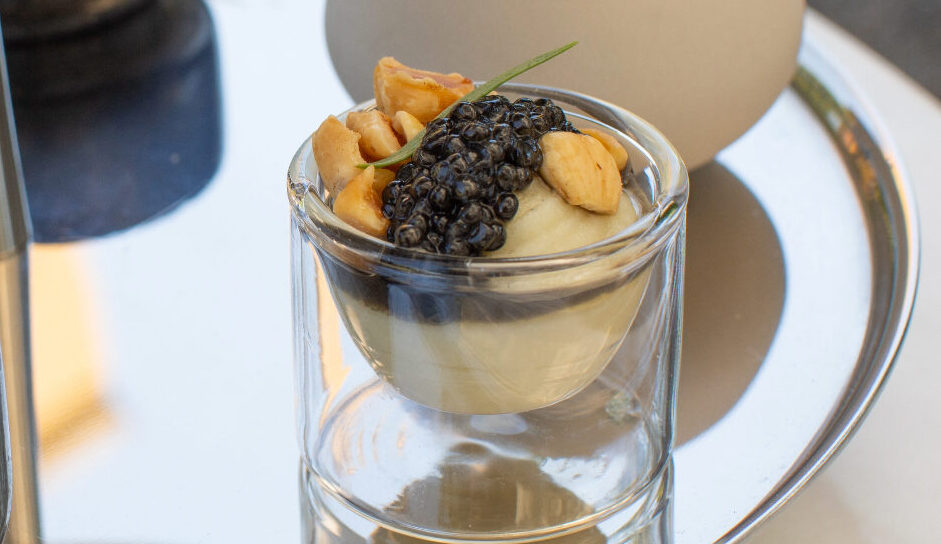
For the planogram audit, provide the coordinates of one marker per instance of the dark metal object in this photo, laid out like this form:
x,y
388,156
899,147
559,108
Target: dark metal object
x,y
128,130
33,20
161,35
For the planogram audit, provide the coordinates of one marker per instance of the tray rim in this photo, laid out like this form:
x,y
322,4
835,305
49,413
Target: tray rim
x,y
888,206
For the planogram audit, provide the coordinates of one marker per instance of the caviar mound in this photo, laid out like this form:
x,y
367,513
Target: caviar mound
x,y
456,192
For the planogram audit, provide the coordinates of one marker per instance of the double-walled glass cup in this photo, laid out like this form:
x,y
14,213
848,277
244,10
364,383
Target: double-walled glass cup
x,y
479,399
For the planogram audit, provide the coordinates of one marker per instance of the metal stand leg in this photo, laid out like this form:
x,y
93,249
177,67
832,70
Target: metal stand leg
x,y
14,327
14,342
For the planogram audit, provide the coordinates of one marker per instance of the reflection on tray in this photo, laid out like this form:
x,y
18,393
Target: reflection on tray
x,y
68,352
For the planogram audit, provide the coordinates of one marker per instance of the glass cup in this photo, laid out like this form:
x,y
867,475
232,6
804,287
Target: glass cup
x,y
478,399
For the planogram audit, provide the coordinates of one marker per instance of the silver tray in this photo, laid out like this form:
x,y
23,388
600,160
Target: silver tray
x,y
801,275
800,280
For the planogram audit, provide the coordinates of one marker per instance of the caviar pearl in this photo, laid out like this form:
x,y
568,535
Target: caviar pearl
x,y
408,236
507,206
464,112
440,197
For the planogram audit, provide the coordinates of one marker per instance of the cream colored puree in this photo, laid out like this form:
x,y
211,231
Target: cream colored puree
x,y
490,367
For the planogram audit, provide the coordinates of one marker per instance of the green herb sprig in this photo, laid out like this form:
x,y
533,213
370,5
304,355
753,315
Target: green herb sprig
x,y
409,148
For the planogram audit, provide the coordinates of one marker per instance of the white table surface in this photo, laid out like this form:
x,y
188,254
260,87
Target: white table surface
x,y
882,488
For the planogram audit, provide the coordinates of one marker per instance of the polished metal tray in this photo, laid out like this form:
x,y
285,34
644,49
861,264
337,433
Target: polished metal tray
x,y
800,279
801,275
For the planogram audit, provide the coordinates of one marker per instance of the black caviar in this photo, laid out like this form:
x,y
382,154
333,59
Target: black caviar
x,y
456,192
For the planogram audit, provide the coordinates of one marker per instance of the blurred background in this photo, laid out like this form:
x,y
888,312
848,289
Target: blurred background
x,y
904,31
162,145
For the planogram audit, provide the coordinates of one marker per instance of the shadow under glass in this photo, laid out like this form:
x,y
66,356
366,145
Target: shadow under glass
x,y
734,295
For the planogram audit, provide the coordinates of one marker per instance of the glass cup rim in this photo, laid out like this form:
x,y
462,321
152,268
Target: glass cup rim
x,y
640,239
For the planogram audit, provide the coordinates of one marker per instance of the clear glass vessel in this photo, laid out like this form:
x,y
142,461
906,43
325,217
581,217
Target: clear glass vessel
x,y
480,399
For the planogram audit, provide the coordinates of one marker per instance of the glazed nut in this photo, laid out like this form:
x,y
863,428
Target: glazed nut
x,y
610,143
382,178
581,170
360,205
421,93
378,139
406,125
336,150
